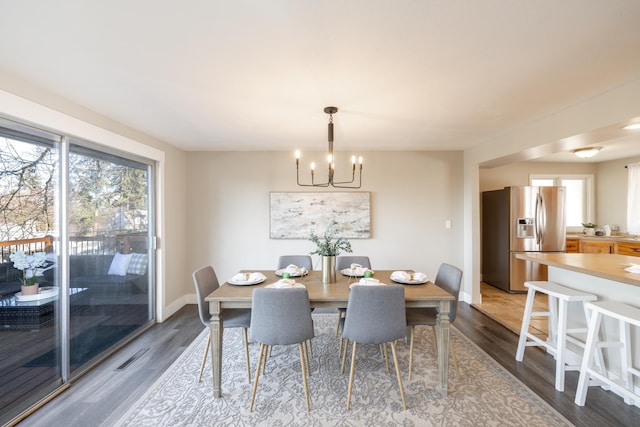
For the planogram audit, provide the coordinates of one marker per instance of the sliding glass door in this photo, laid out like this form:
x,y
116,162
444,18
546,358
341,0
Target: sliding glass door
x,y
29,324
77,220
109,256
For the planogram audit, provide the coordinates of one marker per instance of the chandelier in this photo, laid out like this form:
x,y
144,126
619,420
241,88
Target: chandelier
x,y
331,164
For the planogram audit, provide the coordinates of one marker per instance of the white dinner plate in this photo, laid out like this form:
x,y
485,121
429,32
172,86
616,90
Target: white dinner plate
x,y
303,272
351,273
408,282
295,285
247,282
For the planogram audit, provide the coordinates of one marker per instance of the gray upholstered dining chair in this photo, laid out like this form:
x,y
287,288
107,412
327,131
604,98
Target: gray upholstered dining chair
x,y
345,261
375,315
206,281
281,317
448,278
303,261
342,262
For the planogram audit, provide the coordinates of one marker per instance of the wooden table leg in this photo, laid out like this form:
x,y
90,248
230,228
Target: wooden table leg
x,y
215,331
443,330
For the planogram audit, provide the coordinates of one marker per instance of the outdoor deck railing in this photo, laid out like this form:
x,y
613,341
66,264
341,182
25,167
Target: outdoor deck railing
x,y
78,245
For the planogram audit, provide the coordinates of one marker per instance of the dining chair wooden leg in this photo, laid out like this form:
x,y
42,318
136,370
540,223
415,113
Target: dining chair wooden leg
x,y
351,374
386,356
246,354
204,357
304,373
338,324
411,351
398,374
344,355
267,352
306,358
255,380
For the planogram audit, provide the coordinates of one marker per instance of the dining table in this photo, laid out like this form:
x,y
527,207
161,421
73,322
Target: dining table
x,y
329,295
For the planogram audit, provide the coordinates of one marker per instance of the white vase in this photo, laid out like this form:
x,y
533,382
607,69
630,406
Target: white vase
x,y
328,269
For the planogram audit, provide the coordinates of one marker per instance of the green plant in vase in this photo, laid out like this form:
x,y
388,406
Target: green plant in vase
x,y
328,247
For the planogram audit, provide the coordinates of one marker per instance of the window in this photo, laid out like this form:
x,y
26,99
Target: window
x,y
580,202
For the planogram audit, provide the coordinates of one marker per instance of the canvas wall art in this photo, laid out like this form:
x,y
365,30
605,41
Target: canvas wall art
x,y
295,214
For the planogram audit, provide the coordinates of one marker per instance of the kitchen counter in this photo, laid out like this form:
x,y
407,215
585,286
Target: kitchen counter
x,y
605,266
581,236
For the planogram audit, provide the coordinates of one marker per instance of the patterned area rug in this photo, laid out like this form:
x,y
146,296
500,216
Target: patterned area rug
x,y
484,393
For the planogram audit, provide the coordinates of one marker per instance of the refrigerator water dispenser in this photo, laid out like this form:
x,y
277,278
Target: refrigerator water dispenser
x,y
525,228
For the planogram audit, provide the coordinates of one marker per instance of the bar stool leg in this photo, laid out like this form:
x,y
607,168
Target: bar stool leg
x,y
589,348
553,319
625,359
526,318
561,343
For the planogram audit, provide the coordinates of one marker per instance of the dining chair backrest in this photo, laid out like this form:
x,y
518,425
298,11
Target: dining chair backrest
x,y
303,261
281,316
449,278
345,261
375,314
205,281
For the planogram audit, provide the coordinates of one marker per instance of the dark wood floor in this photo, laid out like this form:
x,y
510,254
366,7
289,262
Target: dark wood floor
x,y
101,396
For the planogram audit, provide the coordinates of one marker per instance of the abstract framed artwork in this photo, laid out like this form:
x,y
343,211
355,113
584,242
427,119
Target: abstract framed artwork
x,y
293,215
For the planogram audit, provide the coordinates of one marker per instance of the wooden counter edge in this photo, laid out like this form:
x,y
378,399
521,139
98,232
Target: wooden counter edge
x,y
606,266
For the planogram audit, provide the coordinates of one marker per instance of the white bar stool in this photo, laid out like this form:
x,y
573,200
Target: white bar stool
x,y
556,343
626,316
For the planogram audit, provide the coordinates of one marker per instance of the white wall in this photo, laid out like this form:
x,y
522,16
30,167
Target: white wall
x,y
412,194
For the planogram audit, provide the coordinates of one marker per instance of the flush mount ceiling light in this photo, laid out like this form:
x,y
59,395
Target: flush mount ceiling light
x,y
331,164
585,153
632,126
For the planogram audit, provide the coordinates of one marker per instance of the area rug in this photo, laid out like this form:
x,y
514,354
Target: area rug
x,y
483,394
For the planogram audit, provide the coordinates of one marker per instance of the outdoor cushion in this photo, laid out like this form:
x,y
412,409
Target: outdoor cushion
x,y
138,264
119,264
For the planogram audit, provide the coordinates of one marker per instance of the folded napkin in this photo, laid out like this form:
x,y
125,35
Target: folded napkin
x,y
283,283
357,270
247,277
293,269
369,281
633,269
409,277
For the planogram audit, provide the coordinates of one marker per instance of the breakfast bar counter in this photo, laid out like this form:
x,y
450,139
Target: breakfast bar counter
x,y
605,266
604,276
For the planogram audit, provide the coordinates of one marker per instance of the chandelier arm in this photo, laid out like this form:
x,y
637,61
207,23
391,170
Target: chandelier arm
x,y
338,184
325,184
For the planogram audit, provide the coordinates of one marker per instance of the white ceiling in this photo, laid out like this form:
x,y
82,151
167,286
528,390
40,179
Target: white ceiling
x,y
256,75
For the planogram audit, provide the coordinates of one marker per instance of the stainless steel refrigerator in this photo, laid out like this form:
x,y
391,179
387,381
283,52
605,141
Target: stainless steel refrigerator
x,y
516,220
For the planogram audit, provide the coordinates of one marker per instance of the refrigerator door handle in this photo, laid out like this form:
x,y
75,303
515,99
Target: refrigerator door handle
x,y
541,218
